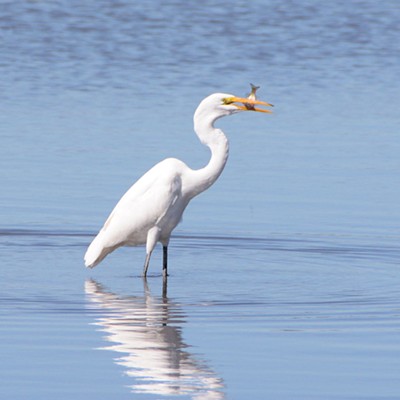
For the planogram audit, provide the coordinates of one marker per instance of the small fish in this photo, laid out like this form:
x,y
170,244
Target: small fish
x,y
252,96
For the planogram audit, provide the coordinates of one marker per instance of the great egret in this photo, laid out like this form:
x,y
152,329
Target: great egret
x,y
150,210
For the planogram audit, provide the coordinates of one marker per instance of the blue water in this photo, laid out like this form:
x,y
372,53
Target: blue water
x,y
284,275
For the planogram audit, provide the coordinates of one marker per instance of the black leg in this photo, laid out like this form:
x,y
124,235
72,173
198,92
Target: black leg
x,y
165,261
164,289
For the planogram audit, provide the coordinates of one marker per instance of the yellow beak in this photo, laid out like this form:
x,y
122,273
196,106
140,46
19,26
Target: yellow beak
x,y
248,104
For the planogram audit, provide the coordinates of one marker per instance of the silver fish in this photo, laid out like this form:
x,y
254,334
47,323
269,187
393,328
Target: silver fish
x,y
252,96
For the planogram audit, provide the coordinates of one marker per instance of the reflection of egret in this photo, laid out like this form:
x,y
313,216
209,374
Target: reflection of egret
x,y
147,330
151,209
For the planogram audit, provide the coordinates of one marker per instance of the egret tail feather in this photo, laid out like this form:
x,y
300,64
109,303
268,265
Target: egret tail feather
x,y
96,252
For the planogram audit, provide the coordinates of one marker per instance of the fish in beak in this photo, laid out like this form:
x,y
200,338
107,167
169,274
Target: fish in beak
x,y
249,103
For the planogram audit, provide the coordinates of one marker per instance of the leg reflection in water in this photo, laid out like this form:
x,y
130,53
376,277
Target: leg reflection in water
x,y
147,331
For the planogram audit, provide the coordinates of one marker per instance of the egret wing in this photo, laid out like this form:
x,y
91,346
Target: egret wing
x,y
145,205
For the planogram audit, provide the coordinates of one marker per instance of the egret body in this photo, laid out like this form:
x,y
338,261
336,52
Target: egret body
x,y
150,210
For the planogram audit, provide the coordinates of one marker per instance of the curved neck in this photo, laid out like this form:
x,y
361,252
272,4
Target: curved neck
x,y
217,142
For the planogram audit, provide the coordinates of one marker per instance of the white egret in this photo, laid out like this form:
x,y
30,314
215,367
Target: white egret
x,y
150,210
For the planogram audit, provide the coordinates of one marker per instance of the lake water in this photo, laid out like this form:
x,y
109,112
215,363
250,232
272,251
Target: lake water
x,y
284,276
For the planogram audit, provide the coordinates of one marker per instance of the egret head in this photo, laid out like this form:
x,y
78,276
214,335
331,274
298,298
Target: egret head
x,y
218,105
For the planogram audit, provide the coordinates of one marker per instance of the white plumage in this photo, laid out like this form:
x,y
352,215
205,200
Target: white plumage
x,y
149,211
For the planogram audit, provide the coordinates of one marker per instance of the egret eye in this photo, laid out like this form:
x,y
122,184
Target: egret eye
x,y
227,100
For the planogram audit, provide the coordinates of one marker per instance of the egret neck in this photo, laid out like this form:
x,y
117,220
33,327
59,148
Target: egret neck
x,y
218,144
